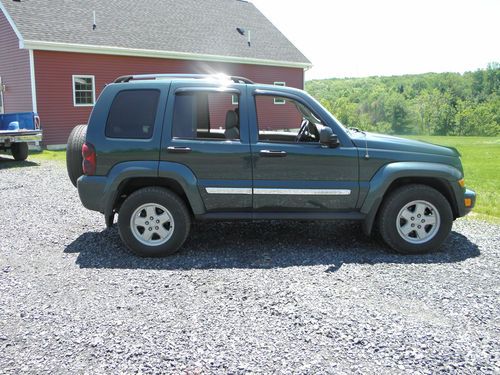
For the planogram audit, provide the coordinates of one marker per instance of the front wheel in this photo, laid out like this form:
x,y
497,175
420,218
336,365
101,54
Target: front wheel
x,y
153,222
415,219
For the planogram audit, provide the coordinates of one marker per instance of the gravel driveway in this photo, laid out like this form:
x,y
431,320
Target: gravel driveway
x,y
263,297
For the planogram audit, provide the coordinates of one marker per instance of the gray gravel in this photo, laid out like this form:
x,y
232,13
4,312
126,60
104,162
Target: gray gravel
x,y
263,297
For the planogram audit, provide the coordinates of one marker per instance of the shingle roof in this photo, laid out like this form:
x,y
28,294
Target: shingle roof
x,y
200,27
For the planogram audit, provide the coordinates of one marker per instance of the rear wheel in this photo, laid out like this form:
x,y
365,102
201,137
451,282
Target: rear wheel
x,y
415,219
19,151
154,222
74,157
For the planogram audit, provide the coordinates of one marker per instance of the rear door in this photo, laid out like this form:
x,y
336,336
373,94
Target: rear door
x,y
205,130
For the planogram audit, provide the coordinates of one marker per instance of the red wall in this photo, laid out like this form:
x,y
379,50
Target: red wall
x,y
14,70
54,71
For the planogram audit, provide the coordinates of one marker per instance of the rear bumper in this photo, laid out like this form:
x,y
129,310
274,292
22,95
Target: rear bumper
x,y
92,192
29,136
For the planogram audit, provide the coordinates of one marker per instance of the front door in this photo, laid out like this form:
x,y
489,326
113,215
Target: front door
x,y
208,134
291,170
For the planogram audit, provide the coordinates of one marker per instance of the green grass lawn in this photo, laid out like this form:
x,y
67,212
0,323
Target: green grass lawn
x,y
481,161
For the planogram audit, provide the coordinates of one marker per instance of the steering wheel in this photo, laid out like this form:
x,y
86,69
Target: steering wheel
x,y
303,128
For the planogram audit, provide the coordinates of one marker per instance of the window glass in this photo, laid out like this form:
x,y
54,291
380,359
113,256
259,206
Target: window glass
x,y
206,115
286,122
83,90
132,114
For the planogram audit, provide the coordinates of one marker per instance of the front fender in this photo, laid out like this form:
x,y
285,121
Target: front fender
x,y
385,176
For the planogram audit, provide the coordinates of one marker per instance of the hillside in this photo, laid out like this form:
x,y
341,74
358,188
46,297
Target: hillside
x,y
429,104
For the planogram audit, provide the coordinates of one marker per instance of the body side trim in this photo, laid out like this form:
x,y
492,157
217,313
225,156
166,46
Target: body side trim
x,y
262,191
228,190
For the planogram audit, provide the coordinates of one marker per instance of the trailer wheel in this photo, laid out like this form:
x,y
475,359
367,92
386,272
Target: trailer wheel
x,y
19,151
74,157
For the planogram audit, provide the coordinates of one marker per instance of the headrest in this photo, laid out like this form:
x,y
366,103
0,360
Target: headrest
x,y
231,119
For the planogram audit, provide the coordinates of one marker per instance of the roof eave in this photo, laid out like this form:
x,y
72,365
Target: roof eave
x,y
121,51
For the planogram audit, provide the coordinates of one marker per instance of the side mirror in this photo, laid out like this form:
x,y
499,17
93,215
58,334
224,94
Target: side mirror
x,y
327,138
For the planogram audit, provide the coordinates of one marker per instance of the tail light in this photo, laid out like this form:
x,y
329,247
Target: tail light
x,y
37,122
88,163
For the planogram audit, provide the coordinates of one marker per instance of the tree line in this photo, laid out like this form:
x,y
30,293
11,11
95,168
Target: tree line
x,y
424,104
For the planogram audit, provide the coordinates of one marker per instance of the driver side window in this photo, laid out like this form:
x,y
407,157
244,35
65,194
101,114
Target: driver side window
x,y
289,122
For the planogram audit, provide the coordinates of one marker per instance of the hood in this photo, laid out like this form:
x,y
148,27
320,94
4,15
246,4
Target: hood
x,y
387,142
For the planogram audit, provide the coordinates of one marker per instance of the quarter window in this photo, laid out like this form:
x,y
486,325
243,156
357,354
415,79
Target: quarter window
x,y
132,114
206,116
83,90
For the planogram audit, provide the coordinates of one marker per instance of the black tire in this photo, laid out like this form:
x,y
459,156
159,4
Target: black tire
x,y
175,207
19,151
403,197
74,157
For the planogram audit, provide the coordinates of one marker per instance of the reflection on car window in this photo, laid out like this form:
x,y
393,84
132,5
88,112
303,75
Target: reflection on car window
x,y
289,122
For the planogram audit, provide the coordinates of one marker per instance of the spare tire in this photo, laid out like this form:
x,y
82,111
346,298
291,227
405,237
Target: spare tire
x,y
74,157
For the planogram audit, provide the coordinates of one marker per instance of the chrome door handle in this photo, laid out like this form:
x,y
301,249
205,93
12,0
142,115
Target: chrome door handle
x,y
178,150
272,154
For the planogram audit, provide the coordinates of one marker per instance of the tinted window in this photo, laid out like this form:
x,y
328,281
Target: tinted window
x,y
206,115
132,114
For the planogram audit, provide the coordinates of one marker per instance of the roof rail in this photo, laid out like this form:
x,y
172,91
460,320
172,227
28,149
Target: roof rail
x,y
235,79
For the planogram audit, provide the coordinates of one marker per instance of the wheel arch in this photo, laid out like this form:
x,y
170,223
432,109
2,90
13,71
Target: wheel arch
x,y
131,185
125,178
392,176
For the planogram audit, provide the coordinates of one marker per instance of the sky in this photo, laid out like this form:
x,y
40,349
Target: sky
x,y
360,38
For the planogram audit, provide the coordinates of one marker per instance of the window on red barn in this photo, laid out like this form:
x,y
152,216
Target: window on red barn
x,y
83,90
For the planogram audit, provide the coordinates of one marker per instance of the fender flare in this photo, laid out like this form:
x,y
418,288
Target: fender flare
x,y
385,176
154,169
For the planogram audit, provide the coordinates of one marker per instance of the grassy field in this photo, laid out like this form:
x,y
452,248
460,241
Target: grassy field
x,y
480,157
481,161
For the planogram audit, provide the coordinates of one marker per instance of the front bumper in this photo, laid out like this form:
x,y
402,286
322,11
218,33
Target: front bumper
x,y
469,200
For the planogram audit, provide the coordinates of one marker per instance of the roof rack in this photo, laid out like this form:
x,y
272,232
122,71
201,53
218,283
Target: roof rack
x,y
235,79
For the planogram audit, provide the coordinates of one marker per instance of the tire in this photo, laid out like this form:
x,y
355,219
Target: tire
x,y
19,151
74,157
167,233
415,219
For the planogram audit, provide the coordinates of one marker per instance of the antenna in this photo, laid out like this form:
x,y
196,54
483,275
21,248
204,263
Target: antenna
x,y
94,26
367,156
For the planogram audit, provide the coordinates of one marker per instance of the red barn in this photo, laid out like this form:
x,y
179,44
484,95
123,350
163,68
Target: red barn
x,y
56,55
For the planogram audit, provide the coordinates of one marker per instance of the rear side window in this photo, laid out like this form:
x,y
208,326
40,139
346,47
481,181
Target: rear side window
x,y
206,116
132,114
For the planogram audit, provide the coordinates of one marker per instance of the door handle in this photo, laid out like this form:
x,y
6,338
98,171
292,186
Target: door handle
x,y
178,150
273,154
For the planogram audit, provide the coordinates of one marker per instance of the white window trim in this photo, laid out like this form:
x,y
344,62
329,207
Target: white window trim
x,y
74,91
235,102
279,101
2,109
